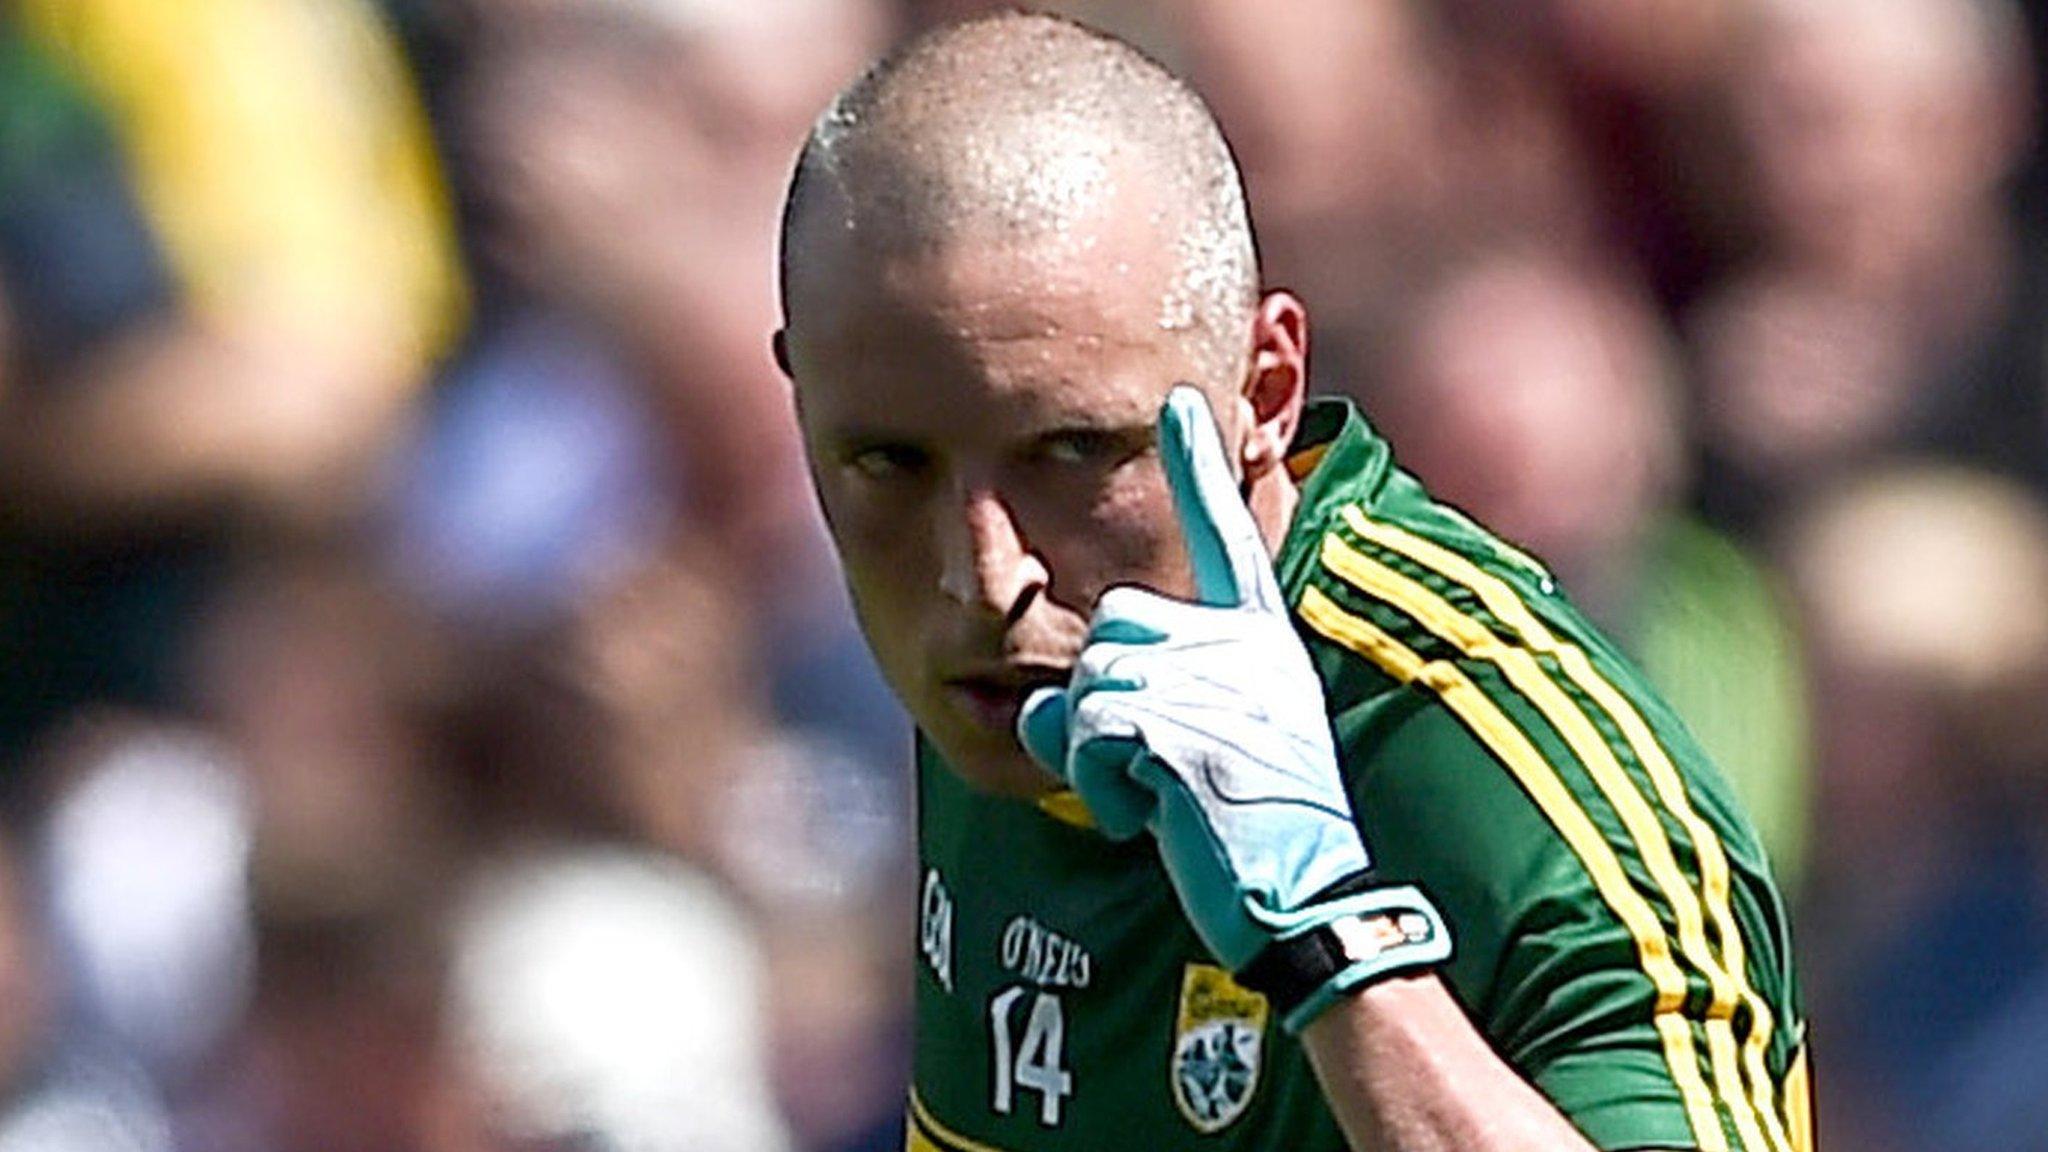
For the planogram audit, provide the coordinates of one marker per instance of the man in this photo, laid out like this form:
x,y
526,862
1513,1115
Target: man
x,y
1505,907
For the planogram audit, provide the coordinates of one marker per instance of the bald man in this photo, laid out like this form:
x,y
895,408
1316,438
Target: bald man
x,y
1264,803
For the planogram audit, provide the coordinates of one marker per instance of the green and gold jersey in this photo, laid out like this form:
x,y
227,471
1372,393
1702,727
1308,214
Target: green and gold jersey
x,y
1619,937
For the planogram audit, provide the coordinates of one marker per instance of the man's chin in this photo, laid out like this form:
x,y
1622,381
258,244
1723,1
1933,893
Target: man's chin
x,y
997,766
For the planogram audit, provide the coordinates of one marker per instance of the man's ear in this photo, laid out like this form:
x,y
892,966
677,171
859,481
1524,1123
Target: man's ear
x,y
780,343
1276,386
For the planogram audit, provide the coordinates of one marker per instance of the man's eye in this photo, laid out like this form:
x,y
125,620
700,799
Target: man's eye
x,y
887,461
1083,446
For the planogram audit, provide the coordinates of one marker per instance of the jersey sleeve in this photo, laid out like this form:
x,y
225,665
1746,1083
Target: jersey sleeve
x,y
1547,971
1618,939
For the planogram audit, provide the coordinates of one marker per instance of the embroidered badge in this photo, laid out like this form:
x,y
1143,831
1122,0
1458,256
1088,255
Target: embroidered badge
x,y
1217,1042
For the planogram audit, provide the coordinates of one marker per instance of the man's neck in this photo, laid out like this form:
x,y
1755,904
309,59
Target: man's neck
x,y
1273,500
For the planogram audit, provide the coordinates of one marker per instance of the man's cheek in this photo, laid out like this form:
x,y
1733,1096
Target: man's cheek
x,y
1133,542
888,618
1145,522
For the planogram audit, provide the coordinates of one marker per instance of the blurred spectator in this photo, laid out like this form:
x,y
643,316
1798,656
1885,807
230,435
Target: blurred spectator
x,y
1601,121
637,724
536,476
501,706
326,694
1927,917
635,153
301,278
630,156
329,692
1537,391
228,263
1364,81
644,720
145,853
1879,137
634,719
1795,383
342,1050
608,999
59,1091
248,908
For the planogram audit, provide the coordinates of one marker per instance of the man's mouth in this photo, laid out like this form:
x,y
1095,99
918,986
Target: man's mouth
x,y
992,699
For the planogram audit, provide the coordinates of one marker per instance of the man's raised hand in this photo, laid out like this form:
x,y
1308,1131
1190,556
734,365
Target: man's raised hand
x,y
1204,722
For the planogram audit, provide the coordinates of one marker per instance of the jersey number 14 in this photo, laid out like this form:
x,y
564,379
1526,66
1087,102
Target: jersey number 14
x,y
1034,1063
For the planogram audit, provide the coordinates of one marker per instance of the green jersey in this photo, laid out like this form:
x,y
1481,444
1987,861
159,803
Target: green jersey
x,y
1619,938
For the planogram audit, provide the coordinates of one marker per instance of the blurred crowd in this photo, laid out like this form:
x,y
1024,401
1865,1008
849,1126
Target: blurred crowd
x,y
430,720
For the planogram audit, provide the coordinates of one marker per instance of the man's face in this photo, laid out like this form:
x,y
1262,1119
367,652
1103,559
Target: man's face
x,y
979,420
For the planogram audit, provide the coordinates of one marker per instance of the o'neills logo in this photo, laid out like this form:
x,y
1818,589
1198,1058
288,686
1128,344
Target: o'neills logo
x,y
1217,1041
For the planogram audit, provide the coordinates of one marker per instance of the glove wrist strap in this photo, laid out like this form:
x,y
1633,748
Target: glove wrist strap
x,y
1361,939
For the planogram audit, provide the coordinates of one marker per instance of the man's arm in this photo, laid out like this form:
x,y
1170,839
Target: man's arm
x,y
1405,1071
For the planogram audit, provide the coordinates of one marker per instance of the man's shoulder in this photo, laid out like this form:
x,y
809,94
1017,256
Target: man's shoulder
x,y
1385,582
1435,640
1504,755
1447,651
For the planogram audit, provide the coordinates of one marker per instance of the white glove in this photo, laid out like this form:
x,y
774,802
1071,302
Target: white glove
x,y
1205,723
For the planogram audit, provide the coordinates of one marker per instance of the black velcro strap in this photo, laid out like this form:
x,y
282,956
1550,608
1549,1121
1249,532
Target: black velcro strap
x,y
1287,971
1364,880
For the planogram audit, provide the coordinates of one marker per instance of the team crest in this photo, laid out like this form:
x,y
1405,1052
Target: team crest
x,y
1217,1042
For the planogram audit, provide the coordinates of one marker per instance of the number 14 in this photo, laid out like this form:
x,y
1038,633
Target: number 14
x,y
1035,1063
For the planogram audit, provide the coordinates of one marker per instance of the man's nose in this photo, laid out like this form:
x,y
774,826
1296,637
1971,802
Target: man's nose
x,y
988,562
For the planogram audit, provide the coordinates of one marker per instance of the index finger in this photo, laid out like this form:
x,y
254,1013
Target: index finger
x,y
1232,568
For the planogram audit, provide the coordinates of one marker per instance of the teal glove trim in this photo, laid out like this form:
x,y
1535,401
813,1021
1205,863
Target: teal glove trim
x,y
1382,933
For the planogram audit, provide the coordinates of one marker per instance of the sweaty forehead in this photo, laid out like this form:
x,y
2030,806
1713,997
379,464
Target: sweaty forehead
x,y
1051,327
1107,271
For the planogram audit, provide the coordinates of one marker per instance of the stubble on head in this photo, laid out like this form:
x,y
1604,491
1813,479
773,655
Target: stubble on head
x,y
1011,131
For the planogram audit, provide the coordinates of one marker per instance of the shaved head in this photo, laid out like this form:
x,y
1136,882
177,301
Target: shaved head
x,y
1012,130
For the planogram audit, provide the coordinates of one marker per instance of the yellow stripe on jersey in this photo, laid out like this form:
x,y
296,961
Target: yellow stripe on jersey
x,y
1799,1102
1506,604
1067,807
1540,779
924,1133
1307,460
1477,641
1649,751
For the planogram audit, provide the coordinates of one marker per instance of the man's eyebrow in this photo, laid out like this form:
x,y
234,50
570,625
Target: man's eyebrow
x,y
1118,426
868,433
1115,412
